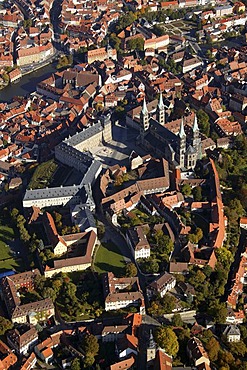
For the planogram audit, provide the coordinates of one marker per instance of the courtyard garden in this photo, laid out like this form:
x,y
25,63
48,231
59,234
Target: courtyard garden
x,y
108,258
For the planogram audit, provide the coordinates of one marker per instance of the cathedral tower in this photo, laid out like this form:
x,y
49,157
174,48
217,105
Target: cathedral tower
x,y
196,140
161,110
181,144
151,350
144,117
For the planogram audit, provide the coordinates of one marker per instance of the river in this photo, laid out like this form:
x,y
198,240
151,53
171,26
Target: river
x,y
27,84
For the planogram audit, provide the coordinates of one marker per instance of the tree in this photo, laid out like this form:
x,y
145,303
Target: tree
x,y
155,309
213,348
186,190
75,364
236,210
130,270
88,361
125,21
5,77
14,214
167,339
57,217
27,23
20,220
196,237
177,320
225,358
197,278
218,311
197,194
168,303
207,270
224,256
243,331
24,236
100,229
90,345
203,122
119,111
115,41
209,54
34,243
64,61
158,30
238,349
135,44
164,244
5,325
49,292
148,265
119,180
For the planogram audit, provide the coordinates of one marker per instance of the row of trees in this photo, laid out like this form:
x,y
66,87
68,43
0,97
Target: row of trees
x,y
226,356
30,240
232,171
209,286
223,355
20,222
174,341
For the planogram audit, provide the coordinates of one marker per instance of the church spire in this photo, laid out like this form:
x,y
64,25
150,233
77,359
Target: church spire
x,y
160,113
151,342
161,103
195,124
144,107
144,117
181,131
196,138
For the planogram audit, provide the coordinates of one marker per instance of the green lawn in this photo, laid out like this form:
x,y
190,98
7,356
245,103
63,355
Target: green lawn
x,y
6,233
109,259
43,175
140,214
10,264
7,261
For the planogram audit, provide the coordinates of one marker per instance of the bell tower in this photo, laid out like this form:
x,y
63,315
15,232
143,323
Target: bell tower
x,y
144,117
196,140
151,350
181,144
161,110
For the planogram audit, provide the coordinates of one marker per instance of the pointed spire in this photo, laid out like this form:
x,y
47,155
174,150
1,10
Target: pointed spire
x,y
181,131
195,124
144,107
161,103
151,342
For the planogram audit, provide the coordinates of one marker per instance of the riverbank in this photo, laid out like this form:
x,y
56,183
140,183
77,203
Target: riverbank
x,y
27,84
27,72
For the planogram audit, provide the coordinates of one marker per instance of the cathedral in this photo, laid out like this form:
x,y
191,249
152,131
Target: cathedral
x,y
178,141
